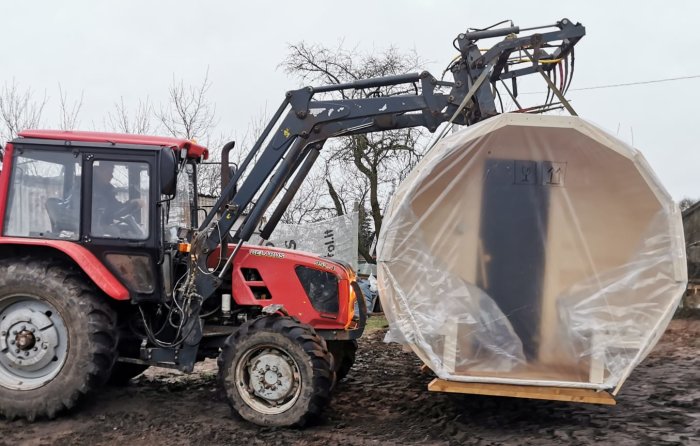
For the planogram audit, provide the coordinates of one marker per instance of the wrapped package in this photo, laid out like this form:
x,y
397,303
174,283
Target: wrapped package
x,y
531,250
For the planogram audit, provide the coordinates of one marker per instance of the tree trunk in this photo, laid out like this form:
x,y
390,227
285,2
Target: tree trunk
x,y
336,199
374,201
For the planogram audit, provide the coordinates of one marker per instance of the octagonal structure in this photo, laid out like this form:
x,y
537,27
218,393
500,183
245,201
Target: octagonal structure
x,y
531,250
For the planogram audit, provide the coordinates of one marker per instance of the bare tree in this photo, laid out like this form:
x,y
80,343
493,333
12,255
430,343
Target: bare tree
x,y
686,203
137,121
210,172
308,203
19,110
188,113
379,160
68,112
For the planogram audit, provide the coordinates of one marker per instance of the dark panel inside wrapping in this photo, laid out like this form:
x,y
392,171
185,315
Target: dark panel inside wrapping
x,y
512,248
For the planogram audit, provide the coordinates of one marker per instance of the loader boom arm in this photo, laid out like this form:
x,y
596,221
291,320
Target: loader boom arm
x,y
296,133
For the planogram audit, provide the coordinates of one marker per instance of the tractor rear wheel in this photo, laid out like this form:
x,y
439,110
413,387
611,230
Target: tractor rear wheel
x,y
344,353
276,371
58,338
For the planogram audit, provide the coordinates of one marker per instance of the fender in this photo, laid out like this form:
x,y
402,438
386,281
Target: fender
x,y
86,260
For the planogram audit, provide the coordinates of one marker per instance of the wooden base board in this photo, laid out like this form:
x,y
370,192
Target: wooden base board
x,y
532,392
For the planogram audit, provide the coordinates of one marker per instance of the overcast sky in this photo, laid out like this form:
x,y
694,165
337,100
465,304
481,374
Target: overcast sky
x,y
132,49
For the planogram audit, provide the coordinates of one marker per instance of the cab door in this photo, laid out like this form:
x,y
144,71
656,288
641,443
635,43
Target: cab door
x,y
119,222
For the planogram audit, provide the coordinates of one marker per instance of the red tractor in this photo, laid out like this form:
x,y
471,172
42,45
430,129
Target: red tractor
x,y
91,262
105,268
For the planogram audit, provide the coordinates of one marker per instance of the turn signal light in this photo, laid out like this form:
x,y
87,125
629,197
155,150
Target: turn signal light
x,y
351,307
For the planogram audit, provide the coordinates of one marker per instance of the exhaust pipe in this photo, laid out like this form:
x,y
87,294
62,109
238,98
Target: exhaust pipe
x,y
226,171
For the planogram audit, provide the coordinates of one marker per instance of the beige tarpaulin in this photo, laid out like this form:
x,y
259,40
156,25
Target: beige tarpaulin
x,y
531,250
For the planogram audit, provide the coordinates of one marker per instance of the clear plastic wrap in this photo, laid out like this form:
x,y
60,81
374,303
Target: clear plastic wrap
x,y
531,250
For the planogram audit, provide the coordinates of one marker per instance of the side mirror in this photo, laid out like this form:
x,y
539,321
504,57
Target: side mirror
x,y
168,172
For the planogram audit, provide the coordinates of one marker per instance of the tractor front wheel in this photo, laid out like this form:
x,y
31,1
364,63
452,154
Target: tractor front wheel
x,y
58,338
276,371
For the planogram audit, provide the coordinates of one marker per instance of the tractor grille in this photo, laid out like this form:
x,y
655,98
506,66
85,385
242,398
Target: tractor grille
x,y
321,287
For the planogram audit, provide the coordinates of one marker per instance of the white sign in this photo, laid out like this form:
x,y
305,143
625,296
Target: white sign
x,y
336,238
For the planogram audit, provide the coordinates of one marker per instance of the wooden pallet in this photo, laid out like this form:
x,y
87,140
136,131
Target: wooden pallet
x,y
532,392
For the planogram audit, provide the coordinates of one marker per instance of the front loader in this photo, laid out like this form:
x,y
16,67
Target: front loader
x,y
106,268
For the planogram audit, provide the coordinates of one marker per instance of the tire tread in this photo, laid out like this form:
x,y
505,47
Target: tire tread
x,y
313,345
99,320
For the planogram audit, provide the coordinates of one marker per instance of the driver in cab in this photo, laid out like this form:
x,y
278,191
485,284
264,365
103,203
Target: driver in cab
x,y
112,217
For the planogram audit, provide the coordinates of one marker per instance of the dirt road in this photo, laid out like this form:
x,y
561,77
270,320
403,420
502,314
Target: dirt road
x,y
384,401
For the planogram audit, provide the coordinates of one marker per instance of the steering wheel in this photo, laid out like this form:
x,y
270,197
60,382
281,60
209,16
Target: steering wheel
x,y
127,209
129,228
126,222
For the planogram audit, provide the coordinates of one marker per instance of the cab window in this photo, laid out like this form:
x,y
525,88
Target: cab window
x,y
44,196
120,200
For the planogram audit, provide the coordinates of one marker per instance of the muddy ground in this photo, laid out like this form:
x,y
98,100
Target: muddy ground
x,y
384,401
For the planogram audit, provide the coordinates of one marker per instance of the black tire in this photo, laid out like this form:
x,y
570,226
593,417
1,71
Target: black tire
x,y
123,372
305,371
344,353
75,365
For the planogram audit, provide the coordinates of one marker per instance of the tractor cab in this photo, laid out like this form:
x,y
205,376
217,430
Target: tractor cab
x,y
115,195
